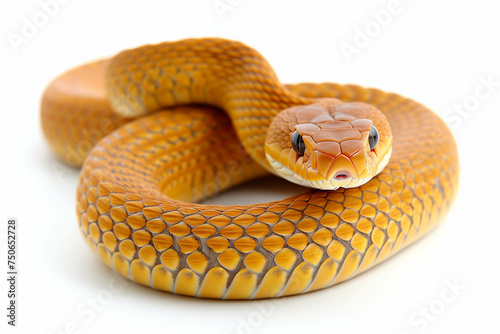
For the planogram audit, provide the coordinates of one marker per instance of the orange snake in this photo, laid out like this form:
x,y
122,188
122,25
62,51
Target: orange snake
x,y
137,184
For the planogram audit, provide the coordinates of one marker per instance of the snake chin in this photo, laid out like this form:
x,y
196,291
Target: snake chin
x,y
332,184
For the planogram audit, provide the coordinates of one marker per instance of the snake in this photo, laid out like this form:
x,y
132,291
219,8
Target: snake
x,y
160,128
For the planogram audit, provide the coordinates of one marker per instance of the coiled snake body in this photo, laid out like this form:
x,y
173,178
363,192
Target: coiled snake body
x,y
135,184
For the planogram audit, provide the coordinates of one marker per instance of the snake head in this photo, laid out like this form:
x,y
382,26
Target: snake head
x,y
329,144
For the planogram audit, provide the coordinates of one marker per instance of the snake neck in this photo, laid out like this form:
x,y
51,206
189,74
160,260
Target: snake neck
x,y
218,72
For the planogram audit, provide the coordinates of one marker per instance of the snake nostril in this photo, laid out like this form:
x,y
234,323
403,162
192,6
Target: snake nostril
x,y
341,175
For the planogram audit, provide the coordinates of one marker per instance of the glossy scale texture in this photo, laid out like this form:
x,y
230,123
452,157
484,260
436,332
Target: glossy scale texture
x,y
135,184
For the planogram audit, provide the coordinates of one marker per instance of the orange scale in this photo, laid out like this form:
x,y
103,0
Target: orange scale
x,y
245,244
273,243
127,248
344,231
95,232
255,262
118,213
307,129
298,241
336,250
204,231
209,213
92,214
148,255
276,208
188,244
220,220
162,242
136,221
84,222
232,232
335,125
313,254
350,216
314,211
92,195
179,230
134,206
168,206
156,225
322,237
307,225
198,262
364,225
349,147
292,214
121,231
172,217
229,259
109,240
103,205
286,258
284,228
117,199
141,238
194,220
218,244
232,212
170,259
257,230
244,219
362,124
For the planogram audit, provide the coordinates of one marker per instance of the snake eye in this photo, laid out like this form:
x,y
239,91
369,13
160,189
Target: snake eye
x,y
298,143
373,137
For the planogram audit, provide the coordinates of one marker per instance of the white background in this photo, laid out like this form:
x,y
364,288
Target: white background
x,y
434,52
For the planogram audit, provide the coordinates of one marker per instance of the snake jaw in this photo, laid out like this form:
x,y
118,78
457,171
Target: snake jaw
x,y
326,184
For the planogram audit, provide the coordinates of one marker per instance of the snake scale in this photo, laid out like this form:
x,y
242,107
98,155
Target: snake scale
x,y
159,128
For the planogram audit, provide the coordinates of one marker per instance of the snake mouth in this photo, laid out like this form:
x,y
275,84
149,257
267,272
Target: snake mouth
x,y
342,175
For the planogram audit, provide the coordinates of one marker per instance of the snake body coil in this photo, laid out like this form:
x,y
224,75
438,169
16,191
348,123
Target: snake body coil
x,y
135,183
